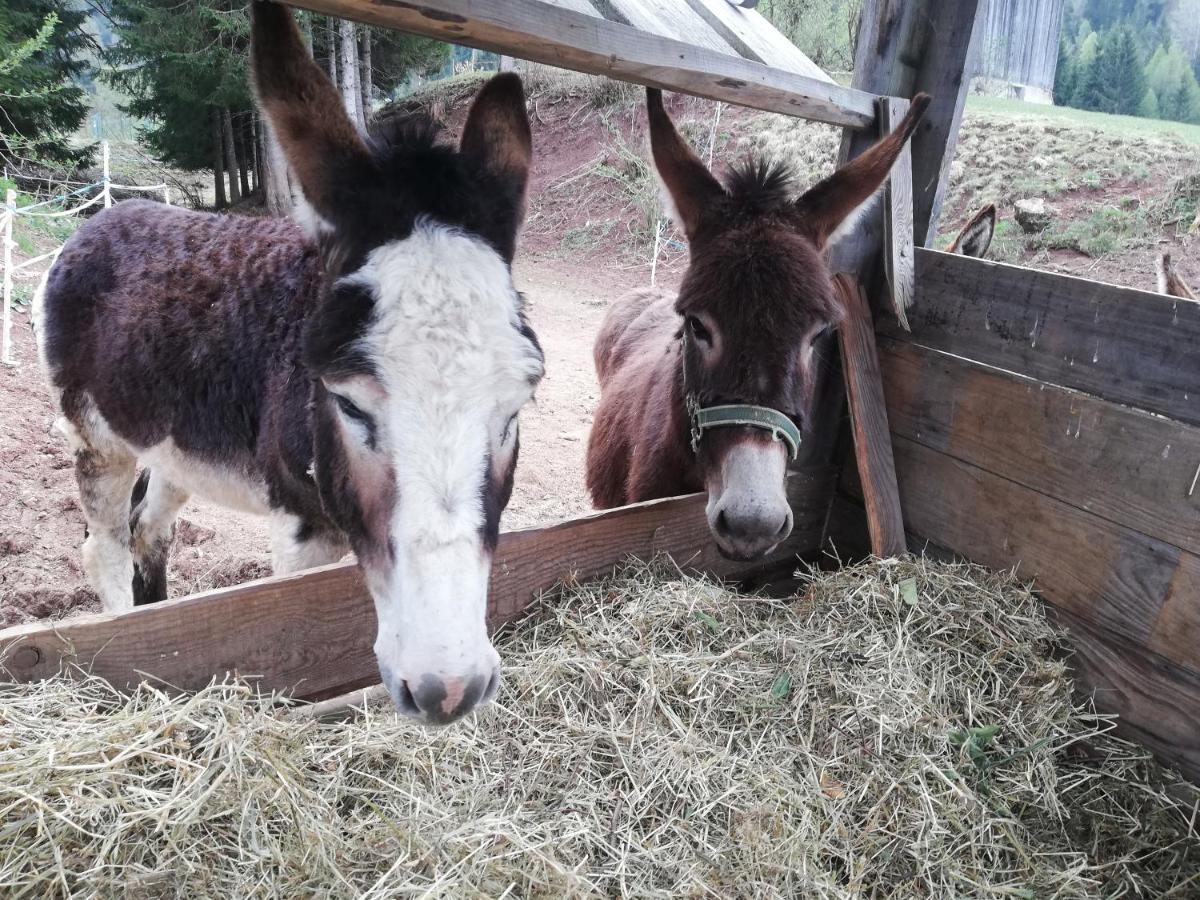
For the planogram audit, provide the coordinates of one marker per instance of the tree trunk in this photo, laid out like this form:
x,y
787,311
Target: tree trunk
x,y
277,194
231,165
219,200
250,131
351,97
306,27
242,153
331,43
366,78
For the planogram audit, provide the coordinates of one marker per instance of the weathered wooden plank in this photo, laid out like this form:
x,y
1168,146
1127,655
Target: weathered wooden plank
x,y
754,37
669,18
539,31
868,419
903,49
1128,466
898,249
1157,702
579,6
1124,345
1112,576
310,634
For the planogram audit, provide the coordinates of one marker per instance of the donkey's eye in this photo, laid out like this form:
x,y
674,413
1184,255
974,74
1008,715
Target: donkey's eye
x,y
351,411
699,332
510,428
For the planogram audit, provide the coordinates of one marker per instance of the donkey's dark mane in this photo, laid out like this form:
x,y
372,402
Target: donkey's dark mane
x,y
756,186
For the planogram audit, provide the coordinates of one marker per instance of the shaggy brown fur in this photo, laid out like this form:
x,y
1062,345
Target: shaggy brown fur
x,y
756,298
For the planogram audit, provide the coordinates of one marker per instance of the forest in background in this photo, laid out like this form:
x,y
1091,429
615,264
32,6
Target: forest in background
x,y
1131,57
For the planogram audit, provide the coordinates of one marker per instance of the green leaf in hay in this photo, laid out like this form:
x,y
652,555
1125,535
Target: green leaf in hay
x,y
713,625
908,591
782,686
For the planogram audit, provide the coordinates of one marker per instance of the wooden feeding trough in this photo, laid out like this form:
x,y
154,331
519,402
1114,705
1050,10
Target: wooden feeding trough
x,y
1026,420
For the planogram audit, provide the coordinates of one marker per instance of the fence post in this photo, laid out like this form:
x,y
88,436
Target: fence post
x,y
10,213
105,179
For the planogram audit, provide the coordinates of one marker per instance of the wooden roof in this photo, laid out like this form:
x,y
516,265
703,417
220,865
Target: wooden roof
x,y
707,48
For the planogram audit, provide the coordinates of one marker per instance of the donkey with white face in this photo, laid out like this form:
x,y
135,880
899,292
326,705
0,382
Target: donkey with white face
x,y
358,382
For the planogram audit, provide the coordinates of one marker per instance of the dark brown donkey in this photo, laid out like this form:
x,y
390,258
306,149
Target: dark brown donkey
x,y
357,381
710,390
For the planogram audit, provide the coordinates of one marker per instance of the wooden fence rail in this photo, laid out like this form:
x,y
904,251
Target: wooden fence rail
x,y
310,634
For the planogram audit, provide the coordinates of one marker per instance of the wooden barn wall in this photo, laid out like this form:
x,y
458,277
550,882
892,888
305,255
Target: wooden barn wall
x,y
1053,424
1020,41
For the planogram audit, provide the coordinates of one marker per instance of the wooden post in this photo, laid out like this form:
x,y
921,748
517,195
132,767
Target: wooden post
x,y
869,422
899,261
10,215
905,48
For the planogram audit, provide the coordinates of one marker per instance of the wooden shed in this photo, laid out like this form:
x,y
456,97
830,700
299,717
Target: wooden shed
x,y
1035,421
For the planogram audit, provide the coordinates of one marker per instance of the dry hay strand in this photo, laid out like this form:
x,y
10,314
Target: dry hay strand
x,y
902,729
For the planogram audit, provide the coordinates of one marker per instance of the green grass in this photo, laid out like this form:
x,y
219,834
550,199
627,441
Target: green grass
x,y
1065,115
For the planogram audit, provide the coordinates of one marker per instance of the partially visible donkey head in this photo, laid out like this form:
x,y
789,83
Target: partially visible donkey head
x,y
976,236
757,296
418,355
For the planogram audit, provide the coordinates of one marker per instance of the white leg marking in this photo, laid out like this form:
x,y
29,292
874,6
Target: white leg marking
x,y
291,555
156,515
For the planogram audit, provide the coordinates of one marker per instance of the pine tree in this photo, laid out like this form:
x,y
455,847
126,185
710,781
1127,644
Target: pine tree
x,y
1124,67
42,45
1064,75
1148,108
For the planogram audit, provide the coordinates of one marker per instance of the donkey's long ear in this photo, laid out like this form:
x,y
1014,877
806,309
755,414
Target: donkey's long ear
x,y
302,107
976,236
828,203
497,139
691,186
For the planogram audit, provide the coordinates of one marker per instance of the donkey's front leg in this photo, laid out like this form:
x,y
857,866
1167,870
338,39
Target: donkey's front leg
x,y
153,506
105,479
297,544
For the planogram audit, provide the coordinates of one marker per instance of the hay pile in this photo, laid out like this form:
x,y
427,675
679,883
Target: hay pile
x,y
902,730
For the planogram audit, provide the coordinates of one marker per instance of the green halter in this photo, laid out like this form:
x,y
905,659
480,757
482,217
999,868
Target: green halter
x,y
735,415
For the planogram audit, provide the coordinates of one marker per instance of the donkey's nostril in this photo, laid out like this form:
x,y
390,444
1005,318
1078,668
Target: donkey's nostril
x,y
404,700
722,524
786,528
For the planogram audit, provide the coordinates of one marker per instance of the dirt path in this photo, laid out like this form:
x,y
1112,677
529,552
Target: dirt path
x,y
41,524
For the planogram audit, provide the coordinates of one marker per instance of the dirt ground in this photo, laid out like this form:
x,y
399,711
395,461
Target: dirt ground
x,y
1123,195
41,524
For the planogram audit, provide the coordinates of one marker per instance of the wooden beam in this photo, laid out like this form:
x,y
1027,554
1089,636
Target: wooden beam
x,y
904,48
543,32
668,18
753,37
1131,467
868,419
311,634
899,265
1128,346
1103,573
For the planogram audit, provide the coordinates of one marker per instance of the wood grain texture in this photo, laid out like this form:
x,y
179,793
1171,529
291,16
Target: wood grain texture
x,y
542,32
1103,573
1128,346
1128,466
311,634
898,247
904,48
868,420
755,38
670,19
1157,702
